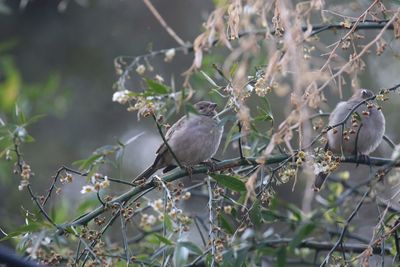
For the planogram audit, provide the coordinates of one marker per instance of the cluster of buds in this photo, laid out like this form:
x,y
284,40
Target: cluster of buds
x,y
327,162
219,247
67,179
52,259
127,213
99,221
26,174
218,191
98,182
266,196
383,95
147,220
262,88
286,174
179,193
301,157
90,235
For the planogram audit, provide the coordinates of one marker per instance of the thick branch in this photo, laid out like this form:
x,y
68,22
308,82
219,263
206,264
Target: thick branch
x,y
220,166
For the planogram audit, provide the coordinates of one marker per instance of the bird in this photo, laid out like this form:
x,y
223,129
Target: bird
x,y
193,139
362,132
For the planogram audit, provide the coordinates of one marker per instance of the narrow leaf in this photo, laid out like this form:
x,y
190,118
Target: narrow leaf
x,y
230,182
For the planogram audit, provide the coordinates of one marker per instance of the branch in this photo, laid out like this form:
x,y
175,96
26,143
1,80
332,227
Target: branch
x,y
220,166
314,245
315,29
342,234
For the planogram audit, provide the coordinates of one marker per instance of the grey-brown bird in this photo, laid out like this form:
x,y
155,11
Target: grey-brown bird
x,y
361,136
193,139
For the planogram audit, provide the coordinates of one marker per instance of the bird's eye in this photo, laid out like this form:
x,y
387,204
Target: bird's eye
x,y
364,93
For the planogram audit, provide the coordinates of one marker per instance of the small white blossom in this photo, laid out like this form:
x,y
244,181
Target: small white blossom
x,y
169,55
318,168
105,183
87,189
159,79
157,205
151,219
140,69
121,96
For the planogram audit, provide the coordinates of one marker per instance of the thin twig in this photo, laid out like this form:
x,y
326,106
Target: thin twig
x,y
211,221
346,225
166,142
160,19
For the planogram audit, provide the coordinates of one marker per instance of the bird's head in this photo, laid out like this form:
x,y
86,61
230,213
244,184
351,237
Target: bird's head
x,y
206,108
362,94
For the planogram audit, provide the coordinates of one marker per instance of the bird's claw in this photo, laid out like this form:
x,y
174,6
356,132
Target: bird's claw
x,y
211,165
362,158
189,170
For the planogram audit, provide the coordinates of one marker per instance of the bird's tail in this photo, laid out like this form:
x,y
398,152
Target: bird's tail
x,y
146,173
319,181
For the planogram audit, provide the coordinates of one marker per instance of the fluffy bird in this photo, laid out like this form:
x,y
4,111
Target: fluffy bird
x,y
193,139
363,135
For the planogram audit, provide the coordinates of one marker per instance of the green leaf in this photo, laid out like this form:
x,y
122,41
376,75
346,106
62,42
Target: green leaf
x,y
155,88
298,214
191,246
224,223
301,234
35,118
168,222
60,212
281,257
233,69
230,182
10,86
271,216
180,256
255,213
32,227
211,81
265,111
163,239
86,163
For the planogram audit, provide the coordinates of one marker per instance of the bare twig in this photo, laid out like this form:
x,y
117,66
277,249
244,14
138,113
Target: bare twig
x,y
160,19
346,225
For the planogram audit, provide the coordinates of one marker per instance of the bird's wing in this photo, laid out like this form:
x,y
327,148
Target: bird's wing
x,y
176,126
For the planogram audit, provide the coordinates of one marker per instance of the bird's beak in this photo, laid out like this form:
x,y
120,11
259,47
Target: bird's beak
x,y
213,106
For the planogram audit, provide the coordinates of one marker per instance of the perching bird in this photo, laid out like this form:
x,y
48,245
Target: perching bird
x,y
193,139
361,134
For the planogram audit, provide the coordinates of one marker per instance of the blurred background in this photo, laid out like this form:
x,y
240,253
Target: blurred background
x,y
56,58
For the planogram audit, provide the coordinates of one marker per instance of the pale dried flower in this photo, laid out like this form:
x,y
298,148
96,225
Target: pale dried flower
x,y
159,79
141,69
169,55
88,189
121,97
105,183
